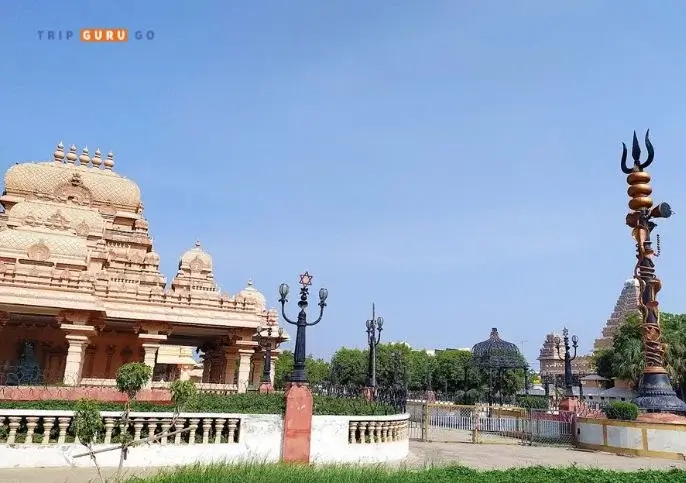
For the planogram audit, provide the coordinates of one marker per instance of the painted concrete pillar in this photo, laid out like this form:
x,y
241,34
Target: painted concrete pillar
x,y
73,367
258,368
230,358
185,372
150,358
273,370
244,359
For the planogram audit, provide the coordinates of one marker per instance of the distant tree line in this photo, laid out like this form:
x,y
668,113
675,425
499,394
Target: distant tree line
x,y
448,372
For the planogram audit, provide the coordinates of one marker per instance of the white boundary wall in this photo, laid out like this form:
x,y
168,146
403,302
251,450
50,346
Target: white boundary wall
x,y
258,438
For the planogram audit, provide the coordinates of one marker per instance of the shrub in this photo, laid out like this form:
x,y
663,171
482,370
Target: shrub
x,y
533,402
87,422
248,403
183,393
625,411
132,376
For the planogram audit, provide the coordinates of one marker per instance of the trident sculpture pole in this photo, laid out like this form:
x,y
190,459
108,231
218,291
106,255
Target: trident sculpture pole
x,y
655,392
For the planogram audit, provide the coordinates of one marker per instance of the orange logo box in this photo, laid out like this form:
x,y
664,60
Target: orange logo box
x,y
104,35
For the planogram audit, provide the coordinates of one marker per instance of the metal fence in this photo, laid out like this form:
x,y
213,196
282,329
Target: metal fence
x,y
394,398
441,422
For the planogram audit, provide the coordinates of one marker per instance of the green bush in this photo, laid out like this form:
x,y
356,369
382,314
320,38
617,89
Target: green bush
x,y
183,393
87,422
132,376
248,403
533,402
625,411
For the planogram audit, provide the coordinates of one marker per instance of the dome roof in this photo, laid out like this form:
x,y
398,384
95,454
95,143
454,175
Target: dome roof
x,y
250,292
102,185
196,259
497,353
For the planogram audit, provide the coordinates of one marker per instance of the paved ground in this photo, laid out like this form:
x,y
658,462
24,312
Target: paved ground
x,y
488,456
482,456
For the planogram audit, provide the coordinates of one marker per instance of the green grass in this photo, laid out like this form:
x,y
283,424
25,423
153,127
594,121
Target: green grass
x,y
452,474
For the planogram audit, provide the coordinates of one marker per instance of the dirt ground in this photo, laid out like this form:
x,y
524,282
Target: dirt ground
x,y
480,456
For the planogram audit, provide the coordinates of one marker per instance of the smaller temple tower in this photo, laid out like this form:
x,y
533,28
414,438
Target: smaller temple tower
x,y
627,304
552,364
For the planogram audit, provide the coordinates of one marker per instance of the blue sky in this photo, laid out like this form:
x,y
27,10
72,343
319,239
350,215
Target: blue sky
x,y
457,162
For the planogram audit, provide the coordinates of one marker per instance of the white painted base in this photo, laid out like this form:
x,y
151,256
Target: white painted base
x,y
330,443
659,440
260,440
154,456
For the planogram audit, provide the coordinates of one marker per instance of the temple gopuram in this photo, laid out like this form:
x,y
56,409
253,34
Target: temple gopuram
x,y
627,304
552,365
81,291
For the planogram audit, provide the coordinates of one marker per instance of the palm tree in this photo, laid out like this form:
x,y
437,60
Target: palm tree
x,y
628,362
674,334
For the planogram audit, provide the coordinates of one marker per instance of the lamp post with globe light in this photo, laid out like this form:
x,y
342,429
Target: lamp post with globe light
x,y
299,374
374,328
568,358
268,341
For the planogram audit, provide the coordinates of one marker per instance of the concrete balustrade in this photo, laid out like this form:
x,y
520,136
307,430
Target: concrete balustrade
x,y
45,438
28,427
359,439
361,432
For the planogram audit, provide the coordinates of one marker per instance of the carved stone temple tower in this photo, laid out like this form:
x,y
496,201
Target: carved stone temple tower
x,y
627,304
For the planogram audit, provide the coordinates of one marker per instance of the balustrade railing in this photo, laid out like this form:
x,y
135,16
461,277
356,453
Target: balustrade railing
x,y
41,427
365,432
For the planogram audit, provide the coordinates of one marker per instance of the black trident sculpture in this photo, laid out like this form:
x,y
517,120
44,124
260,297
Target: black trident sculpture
x,y
299,373
655,392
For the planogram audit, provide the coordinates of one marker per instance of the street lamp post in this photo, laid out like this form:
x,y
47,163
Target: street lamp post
x,y
569,391
267,343
299,374
655,392
374,328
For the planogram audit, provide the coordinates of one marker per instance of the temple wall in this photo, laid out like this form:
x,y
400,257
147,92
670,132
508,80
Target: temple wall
x,y
50,350
103,357
107,352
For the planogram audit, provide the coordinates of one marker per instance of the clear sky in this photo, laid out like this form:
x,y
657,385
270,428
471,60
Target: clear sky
x,y
457,162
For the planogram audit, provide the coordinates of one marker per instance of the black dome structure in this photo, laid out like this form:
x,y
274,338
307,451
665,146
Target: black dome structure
x,y
496,353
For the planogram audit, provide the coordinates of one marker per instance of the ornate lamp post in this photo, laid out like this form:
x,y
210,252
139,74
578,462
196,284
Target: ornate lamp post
x,y
569,391
374,328
299,375
268,343
655,392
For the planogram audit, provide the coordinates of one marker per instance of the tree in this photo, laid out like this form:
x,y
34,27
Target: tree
x,y
421,366
603,363
454,371
283,369
674,334
318,370
392,365
349,367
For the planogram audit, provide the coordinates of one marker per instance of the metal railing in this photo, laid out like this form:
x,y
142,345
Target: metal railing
x,y
483,424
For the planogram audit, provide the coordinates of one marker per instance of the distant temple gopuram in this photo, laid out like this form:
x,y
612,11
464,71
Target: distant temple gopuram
x,y
81,291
